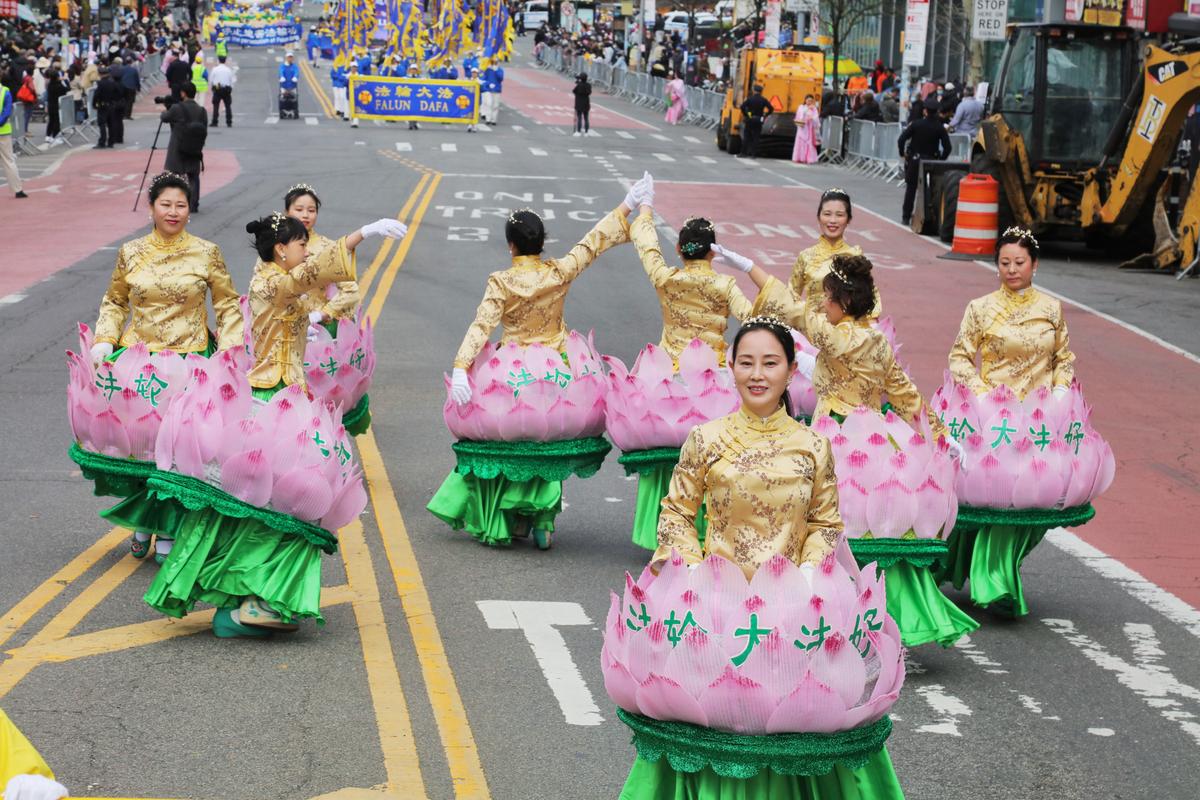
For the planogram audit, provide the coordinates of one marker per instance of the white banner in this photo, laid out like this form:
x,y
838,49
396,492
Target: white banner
x,y
990,18
916,25
774,12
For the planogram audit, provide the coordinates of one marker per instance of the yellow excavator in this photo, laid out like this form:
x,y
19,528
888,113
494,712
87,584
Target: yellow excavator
x,y
1082,126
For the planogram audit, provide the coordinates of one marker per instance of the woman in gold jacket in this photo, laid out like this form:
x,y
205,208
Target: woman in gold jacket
x,y
1018,333
767,480
285,273
855,365
301,202
157,296
526,301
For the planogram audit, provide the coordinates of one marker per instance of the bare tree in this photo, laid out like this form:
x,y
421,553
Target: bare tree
x,y
839,18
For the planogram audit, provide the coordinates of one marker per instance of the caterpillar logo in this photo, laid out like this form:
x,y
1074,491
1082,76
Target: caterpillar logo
x,y
1161,73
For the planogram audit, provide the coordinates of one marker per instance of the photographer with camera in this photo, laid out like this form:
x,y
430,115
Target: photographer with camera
x,y
189,130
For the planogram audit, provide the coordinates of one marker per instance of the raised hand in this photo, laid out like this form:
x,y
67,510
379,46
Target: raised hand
x,y
735,260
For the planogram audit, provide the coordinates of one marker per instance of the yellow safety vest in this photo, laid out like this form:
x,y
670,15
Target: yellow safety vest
x,y
198,78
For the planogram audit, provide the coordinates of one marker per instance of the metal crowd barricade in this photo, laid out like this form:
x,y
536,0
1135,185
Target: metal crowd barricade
x,y
833,140
887,156
860,144
960,147
21,141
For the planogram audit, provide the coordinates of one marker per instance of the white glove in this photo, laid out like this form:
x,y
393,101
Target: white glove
x,y
735,260
647,195
460,390
316,317
805,364
1061,391
101,351
956,449
391,228
33,787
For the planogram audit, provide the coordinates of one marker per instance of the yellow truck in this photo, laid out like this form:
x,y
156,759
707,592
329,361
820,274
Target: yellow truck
x,y
786,77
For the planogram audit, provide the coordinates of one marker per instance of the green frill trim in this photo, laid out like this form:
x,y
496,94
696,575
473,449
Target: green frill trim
x,y
970,517
642,461
691,748
196,495
523,461
358,419
888,552
115,477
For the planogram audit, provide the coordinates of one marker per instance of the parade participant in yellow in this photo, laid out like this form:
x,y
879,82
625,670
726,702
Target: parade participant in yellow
x,y
767,480
526,301
24,775
1018,333
696,301
302,203
285,273
156,297
855,365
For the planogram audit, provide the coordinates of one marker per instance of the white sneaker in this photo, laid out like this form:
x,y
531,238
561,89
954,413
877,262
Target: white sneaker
x,y
354,123
591,133
577,133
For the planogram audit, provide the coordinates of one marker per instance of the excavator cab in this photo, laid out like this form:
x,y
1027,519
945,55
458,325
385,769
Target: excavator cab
x,y
1061,87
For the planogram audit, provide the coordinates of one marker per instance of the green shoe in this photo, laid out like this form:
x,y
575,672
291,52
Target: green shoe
x,y
226,626
542,538
520,526
138,549
160,559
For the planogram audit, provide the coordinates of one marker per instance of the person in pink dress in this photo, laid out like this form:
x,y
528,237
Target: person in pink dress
x,y
677,97
808,122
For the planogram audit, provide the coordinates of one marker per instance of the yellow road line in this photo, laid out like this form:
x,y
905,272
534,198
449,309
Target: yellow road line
x,y
139,634
16,617
396,738
364,283
389,275
317,90
454,728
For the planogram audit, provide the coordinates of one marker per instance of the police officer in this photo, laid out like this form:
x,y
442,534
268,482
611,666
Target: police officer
x,y
755,110
925,139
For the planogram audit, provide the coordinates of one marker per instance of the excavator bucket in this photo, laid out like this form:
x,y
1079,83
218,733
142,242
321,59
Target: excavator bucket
x,y
1172,250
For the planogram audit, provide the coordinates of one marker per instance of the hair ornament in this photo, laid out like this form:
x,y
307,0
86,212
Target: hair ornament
x,y
513,216
167,175
707,226
1022,234
302,187
833,190
841,276
277,219
765,319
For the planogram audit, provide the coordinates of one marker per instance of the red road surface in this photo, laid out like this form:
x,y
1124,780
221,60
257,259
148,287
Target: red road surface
x,y
83,205
1143,394
546,97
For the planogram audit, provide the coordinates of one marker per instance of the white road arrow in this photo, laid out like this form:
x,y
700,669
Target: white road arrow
x,y
538,621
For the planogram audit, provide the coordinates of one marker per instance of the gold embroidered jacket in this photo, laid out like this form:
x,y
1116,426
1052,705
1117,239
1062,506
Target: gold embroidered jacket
x,y
855,365
811,267
1021,340
527,298
768,485
343,304
696,301
159,287
279,320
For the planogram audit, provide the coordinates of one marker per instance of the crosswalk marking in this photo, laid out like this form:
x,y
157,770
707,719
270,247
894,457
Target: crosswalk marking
x,y
692,139
404,147
624,134
537,151
663,157
311,121
449,147
272,120
660,137
491,148
518,128
706,160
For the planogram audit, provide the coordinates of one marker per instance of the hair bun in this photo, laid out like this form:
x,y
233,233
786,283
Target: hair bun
x,y
254,226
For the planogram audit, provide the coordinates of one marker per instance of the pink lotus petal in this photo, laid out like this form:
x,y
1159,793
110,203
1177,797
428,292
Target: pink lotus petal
x,y
302,493
736,703
662,698
247,476
813,707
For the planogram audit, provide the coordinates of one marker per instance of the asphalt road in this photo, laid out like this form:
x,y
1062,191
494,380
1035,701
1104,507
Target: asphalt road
x,y
1095,694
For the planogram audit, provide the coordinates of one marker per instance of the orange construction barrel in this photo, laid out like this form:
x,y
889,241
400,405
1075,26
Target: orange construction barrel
x,y
977,218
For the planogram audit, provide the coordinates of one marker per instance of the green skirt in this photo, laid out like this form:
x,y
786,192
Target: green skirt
x,y
222,560
144,511
922,613
990,558
653,485
358,419
487,507
876,780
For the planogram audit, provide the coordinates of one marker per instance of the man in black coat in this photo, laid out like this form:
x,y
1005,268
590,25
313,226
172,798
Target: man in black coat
x,y
924,139
755,111
869,110
189,128
178,73
131,82
109,104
